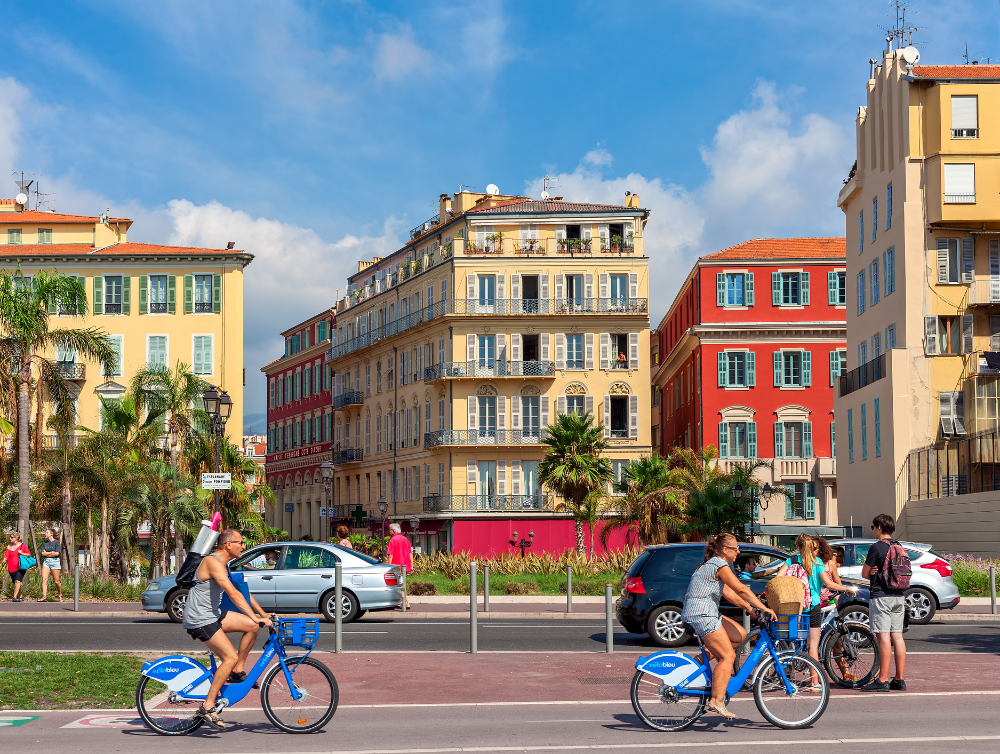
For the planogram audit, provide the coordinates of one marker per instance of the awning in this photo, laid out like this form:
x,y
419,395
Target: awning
x,y
425,527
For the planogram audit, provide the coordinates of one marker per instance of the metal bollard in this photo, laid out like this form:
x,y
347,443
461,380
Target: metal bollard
x,y
569,588
403,582
486,587
473,600
746,623
993,590
338,596
76,589
608,626
156,572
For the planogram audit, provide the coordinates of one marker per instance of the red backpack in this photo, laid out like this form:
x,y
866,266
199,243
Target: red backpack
x,y
896,569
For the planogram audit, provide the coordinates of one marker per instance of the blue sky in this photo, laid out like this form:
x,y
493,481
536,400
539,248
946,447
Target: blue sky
x,y
314,134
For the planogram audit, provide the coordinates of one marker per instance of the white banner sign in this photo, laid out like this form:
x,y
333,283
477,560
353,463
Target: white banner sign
x,y
322,512
216,481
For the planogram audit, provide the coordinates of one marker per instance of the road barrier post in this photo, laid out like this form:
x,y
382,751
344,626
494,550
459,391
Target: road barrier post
x,y
608,626
403,583
993,590
156,572
746,622
486,587
473,600
76,589
338,596
569,588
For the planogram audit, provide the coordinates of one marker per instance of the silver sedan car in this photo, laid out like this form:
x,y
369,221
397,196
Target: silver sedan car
x,y
298,577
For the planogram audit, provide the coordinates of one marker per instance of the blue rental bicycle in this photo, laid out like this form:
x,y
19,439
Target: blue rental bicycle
x,y
669,689
299,694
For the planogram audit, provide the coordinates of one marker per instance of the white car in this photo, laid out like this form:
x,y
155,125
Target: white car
x,y
931,586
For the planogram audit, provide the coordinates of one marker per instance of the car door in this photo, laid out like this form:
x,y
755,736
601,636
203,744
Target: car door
x,y
258,568
306,572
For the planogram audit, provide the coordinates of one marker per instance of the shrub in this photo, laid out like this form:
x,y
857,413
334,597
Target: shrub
x,y
972,574
454,566
422,588
518,587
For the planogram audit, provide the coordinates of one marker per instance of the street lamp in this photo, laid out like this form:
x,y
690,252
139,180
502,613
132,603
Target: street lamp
x,y
754,501
218,408
524,544
326,469
383,508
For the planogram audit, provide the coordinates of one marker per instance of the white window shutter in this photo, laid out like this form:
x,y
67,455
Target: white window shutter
x,y
776,288
560,351
720,289
751,369
515,286
723,358
633,416
605,351
748,289
501,412
473,412
804,288
633,285
958,412
515,477
930,336
501,286
515,347
501,477
470,286
515,412
942,260
470,343
587,232
603,285
633,350
588,404
561,404
441,350
967,334
588,285
441,414
501,347
543,412
602,230
968,259
560,232
543,286
945,412
560,286
589,350
470,472
607,416
543,340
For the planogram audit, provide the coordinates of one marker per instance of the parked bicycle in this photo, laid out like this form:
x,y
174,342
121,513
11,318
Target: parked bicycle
x,y
299,694
669,689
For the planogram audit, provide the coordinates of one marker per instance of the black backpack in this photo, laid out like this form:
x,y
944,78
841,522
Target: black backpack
x,y
187,576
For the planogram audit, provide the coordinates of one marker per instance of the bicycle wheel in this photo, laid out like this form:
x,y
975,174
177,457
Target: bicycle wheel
x,y
163,712
662,707
850,655
309,712
799,709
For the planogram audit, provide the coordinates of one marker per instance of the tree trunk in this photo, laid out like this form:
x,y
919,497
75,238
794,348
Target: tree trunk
x,y
90,538
581,546
105,552
23,460
68,535
592,527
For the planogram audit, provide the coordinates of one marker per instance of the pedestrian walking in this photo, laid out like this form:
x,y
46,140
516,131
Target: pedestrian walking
x,y
887,604
15,549
342,540
398,552
50,564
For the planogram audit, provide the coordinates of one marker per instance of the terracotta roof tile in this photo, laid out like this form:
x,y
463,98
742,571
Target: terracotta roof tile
x,y
85,249
537,206
31,216
783,248
956,71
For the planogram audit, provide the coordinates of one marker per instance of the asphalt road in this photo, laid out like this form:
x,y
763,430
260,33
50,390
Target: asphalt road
x,y
899,722
375,635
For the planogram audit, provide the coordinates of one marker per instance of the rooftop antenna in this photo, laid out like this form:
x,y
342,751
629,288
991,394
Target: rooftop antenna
x,y
23,189
901,31
463,186
548,181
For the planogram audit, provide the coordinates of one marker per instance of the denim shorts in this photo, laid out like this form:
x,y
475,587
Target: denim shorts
x,y
886,614
51,563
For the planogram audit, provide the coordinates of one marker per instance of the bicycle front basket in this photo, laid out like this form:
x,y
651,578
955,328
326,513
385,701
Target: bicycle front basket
x,y
791,627
298,632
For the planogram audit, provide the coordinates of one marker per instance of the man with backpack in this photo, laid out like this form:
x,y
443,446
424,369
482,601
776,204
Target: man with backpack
x,y
887,569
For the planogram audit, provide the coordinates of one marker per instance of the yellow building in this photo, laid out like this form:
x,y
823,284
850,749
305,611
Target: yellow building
x,y
917,411
451,355
159,304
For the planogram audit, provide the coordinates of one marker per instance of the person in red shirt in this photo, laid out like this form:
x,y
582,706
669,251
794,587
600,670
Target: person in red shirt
x,y
398,551
13,554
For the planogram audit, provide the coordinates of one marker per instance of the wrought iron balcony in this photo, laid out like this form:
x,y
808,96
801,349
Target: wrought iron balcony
x,y
71,370
484,437
350,398
487,503
959,198
965,133
348,455
489,368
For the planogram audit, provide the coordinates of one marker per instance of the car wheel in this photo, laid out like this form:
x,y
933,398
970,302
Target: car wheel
x,y
349,607
856,614
665,626
176,602
921,605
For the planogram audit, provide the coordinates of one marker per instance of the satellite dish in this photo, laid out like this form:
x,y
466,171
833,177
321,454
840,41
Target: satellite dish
x,y
910,54
545,195
21,198
492,189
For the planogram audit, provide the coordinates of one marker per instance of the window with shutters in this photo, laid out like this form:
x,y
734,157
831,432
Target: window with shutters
x,y
874,218
949,261
378,377
14,235
878,428
378,433
619,350
951,410
837,288
487,416
861,292
862,352
838,364
888,206
889,263
861,232
737,440
45,235
574,351
790,288
737,369
833,439
735,288
864,432
619,416
619,287
794,437
203,293
959,183
876,345
202,353
890,336
156,350
486,289
116,369
792,369
874,282
112,294
157,294
574,404
800,504
964,116
947,340
850,435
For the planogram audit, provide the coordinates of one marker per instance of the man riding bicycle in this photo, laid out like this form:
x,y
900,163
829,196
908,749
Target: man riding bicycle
x,y
205,620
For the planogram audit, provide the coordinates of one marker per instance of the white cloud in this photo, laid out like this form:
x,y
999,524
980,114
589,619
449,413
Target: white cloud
x,y
598,156
12,97
398,56
484,40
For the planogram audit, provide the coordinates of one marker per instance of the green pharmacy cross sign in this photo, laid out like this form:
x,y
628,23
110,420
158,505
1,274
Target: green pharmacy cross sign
x,y
359,515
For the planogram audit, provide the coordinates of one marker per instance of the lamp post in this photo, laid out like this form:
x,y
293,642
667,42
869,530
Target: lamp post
x,y
326,469
524,544
218,408
383,508
755,500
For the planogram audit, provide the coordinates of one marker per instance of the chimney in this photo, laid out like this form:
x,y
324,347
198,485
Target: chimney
x,y
632,200
444,205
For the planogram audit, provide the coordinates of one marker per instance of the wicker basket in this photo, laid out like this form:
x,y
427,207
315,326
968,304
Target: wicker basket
x,y
785,595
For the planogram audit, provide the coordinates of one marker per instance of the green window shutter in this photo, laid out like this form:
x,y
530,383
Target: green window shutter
x,y
126,294
804,288
779,440
188,294
722,369
723,439
720,289
834,366
789,506
216,293
751,369
807,368
810,500
807,439
172,294
98,294
778,369
878,432
143,294
831,288
748,289
776,288
751,439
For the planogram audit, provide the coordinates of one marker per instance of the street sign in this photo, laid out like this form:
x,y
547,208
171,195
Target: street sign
x,y
289,507
216,481
322,512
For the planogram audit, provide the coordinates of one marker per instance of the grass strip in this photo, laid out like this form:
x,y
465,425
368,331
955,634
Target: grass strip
x,y
536,584
42,680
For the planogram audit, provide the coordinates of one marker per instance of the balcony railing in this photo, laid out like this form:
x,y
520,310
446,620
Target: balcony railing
x,y
574,246
983,291
489,368
617,245
529,246
52,442
486,246
959,198
203,307
957,467
348,455
157,307
863,375
112,308
980,363
350,398
484,437
486,503
965,133
71,370
424,226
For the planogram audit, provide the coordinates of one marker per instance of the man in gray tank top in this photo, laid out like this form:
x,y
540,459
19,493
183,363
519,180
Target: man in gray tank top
x,y
205,620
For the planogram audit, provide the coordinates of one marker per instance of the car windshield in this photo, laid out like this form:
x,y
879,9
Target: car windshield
x,y
637,564
265,559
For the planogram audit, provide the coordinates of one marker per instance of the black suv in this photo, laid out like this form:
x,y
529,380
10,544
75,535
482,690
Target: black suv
x,y
654,586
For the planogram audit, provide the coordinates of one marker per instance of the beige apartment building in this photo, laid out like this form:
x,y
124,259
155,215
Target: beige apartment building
x,y
451,355
159,304
917,410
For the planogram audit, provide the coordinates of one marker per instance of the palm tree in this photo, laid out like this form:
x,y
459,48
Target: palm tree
x,y
587,512
649,509
573,465
25,307
168,497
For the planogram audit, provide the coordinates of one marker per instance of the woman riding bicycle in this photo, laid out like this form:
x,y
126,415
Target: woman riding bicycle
x,y
713,580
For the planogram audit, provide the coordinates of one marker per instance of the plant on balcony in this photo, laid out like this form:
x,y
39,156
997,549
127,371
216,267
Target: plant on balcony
x,y
573,465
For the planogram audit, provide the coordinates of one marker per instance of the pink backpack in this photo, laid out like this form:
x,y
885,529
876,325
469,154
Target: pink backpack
x,y
797,571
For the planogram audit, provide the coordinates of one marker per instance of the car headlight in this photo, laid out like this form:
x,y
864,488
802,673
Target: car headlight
x,y
153,586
